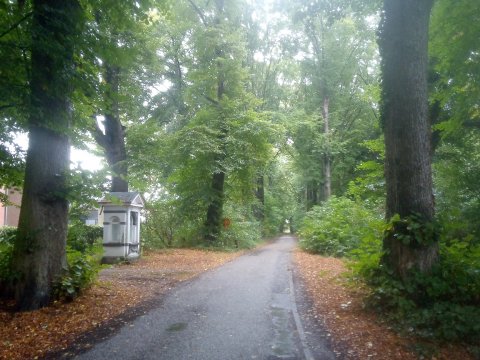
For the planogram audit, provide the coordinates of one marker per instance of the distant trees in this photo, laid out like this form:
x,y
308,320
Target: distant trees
x,y
338,79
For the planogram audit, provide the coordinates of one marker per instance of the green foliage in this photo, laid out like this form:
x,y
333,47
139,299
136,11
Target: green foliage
x,y
7,234
162,224
457,183
454,48
338,226
84,188
82,237
82,271
442,304
84,254
369,185
413,230
7,238
240,235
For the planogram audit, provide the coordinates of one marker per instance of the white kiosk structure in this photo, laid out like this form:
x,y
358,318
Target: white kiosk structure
x,y
121,226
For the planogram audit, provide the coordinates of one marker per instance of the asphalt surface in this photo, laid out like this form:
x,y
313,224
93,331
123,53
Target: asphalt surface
x,y
246,309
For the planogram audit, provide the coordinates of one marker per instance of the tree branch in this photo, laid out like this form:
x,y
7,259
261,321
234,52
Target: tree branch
x,y
472,123
15,25
98,134
213,101
7,106
199,12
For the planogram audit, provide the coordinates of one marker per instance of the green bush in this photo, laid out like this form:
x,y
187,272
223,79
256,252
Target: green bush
x,y
338,226
7,234
7,238
162,225
443,304
83,268
240,235
81,237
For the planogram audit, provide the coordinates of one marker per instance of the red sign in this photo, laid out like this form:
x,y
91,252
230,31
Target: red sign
x,y
226,223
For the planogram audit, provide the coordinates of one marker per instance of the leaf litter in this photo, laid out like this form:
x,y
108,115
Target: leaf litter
x,y
51,331
48,333
357,333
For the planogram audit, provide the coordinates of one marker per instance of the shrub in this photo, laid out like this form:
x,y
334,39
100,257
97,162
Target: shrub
x,y
82,271
161,226
7,234
338,226
81,237
240,235
443,304
7,238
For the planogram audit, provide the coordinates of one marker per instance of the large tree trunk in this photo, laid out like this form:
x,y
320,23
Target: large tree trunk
x,y
404,48
39,251
114,132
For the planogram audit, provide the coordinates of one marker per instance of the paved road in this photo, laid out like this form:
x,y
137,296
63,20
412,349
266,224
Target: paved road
x,y
245,309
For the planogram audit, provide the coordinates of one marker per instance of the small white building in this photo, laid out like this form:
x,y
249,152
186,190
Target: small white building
x,y
121,226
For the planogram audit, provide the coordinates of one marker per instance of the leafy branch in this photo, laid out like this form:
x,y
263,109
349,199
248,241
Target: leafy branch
x,y
17,24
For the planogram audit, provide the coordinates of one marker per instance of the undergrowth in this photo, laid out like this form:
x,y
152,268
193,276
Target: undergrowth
x,y
83,268
84,253
442,305
338,226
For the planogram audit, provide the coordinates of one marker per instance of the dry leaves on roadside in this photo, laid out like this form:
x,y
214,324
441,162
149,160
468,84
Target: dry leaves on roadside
x,y
32,335
356,333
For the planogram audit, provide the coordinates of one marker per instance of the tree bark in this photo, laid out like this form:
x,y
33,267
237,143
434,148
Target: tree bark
x,y
113,141
213,222
312,193
403,44
114,132
214,218
39,251
258,209
327,164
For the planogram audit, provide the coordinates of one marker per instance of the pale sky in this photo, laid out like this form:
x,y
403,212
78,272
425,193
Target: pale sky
x,y
85,159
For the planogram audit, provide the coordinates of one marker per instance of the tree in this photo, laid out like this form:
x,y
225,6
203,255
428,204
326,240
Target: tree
x,y
120,65
338,56
403,44
113,140
39,250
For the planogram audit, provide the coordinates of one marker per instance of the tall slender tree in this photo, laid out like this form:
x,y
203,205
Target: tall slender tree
x,y
403,44
39,251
